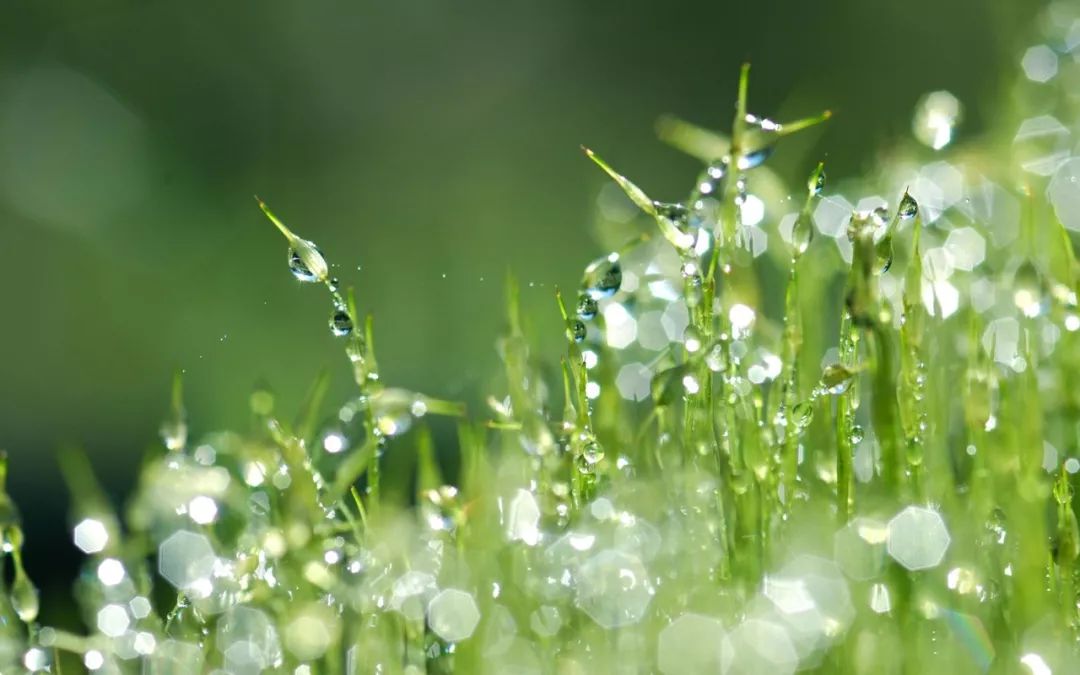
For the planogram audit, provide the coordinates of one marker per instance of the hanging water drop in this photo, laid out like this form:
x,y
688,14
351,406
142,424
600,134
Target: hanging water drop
x,y
883,251
836,378
692,339
24,597
306,261
576,330
1029,290
802,233
592,452
856,435
802,414
603,277
909,208
587,307
760,137
341,323
816,184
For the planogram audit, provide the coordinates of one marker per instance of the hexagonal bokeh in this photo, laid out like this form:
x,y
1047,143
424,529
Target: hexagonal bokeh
x,y
453,615
411,592
613,588
812,602
113,620
248,640
90,536
690,644
172,657
918,538
831,216
966,247
185,558
1040,63
859,548
522,518
1042,144
634,381
759,646
1064,193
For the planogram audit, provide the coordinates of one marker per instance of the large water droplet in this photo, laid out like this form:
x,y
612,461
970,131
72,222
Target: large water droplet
x,y
802,233
587,307
816,184
836,378
856,435
883,251
341,323
761,135
576,329
802,414
24,597
306,261
909,208
603,277
1029,290
592,453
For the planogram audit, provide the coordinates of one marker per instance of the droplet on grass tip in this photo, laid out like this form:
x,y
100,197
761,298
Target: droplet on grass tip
x,y
602,277
341,323
909,208
1029,290
576,330
587,307
306,261
802,414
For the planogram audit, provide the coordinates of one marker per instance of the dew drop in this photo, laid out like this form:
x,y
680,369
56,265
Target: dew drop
x,y
306,261
1028,290
909,208
856,435
603,277
836,378
883,250
24,598
341,323
587,307
802,414
592,452
576,329
816,184
801,235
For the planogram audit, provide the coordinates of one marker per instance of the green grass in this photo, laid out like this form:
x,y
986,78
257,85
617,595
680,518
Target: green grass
x,y
764,450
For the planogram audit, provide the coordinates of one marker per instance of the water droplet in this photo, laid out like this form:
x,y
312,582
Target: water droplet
x,y
587,307
909,208
603,277
801,235
802,414
306,261
883,251
760,138
836,378
856,435
341,323
592,452
24,597
692,339
576,330
1028,290
816,184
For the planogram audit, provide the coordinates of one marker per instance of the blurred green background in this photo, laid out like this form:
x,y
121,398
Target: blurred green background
x,y
426,146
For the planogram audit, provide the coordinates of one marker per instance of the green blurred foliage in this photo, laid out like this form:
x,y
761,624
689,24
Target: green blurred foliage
x,y
426,146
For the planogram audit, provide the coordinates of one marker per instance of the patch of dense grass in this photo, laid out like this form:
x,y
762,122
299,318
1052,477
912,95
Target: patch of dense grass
x,y
873,475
